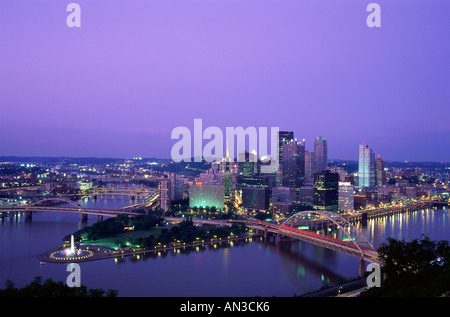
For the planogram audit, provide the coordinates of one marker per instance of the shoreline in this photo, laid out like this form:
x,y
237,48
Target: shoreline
x,y
101,252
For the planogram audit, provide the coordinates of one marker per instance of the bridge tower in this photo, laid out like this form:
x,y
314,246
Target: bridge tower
x,y
362,267
28,214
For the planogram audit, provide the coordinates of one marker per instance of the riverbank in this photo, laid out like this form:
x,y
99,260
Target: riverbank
x,y
100,252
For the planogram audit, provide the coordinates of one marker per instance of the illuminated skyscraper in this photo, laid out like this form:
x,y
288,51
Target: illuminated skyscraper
x,y
309,167
326,191
346,199
255,198
164,194
320,154
283,137
380,173
366,167
293,164
171,189
247,163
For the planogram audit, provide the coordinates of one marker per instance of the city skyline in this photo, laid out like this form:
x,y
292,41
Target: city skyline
x,y
249,150
117,86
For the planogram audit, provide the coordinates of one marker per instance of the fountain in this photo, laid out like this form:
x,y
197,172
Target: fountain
x,y
72,245
71,253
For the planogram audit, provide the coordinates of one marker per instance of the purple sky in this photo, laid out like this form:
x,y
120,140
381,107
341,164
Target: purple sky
x,y
136,69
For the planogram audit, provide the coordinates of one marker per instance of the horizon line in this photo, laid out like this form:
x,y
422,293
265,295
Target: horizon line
x,y
169,159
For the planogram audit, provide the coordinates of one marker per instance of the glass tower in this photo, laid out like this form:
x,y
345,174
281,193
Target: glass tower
x,y
283,137
326,191
320,154
293,164
380,173
366,167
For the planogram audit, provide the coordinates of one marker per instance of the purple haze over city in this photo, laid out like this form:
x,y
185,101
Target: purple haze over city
x,y
135,70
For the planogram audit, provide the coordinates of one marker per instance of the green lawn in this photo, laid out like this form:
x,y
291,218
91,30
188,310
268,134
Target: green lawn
x,y
124,236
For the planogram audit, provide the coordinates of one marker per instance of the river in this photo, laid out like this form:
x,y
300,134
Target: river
x,y
239,269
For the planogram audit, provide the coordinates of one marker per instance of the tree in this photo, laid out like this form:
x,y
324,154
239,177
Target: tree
x,y
417,268
51,288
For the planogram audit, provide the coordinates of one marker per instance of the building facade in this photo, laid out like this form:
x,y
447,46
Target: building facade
x,y
380,172
293,164
346,197
320,154
326,191
206,195
366,167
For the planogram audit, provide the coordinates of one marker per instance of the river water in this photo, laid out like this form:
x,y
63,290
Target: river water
x,y
243,268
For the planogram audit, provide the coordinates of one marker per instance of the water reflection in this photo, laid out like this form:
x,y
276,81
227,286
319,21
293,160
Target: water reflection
x,y
238,268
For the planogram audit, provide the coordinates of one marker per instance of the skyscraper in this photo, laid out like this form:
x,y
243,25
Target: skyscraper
x,y
283,137
320,154
326,191
247,163
255,198
366,167
309,167
293,164
164,194
380,173
346,199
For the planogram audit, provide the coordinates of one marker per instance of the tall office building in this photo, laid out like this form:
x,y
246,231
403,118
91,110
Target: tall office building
x,y
341,171
171,189
306,195
283,195
346,199
230,184
309,167
366,167
380,172
326,191
293,165
283,137
247,163
255,198
164,194
320,154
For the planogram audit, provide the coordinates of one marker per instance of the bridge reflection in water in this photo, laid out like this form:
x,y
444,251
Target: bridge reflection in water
x,y
356,245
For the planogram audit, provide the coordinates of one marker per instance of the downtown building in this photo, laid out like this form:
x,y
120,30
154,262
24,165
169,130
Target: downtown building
x,y
284,137
206,195
285,201
171,188
366,167
380,172
326,191
309,167
320,154
346,197
256,192
247,163
293,164
256,199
